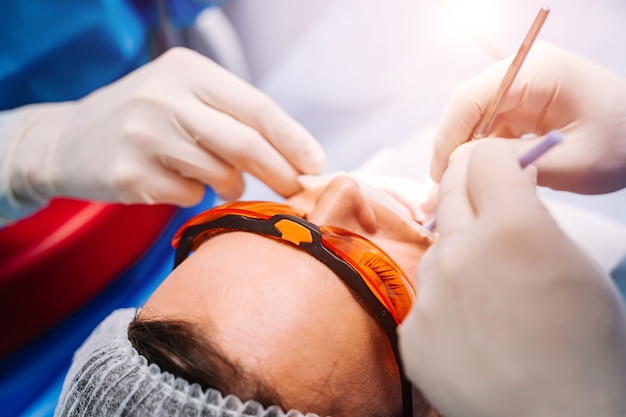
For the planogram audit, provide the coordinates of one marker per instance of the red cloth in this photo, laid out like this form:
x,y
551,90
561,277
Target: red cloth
x,y
55,261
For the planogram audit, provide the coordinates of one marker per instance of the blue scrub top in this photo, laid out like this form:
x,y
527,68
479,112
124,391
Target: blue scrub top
x,y
64,49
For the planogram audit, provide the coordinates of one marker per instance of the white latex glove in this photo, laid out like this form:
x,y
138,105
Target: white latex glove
x,y
554,89
511,318
157,135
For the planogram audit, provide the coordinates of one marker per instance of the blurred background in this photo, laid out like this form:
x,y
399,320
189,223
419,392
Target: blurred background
x,y
361,74
368,78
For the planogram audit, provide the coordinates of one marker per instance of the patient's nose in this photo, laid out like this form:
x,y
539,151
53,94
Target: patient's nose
x,y
342,204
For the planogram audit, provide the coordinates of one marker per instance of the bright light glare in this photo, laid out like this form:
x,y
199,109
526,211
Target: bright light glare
x,y
483,18
474,13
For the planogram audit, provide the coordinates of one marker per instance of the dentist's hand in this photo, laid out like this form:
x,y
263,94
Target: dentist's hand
x,y
157,135
554,89
511,317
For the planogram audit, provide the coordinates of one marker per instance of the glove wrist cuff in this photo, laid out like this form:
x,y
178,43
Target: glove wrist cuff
x,y
25,150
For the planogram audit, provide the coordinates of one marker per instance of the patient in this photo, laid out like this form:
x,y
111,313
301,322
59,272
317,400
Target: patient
x,y
262,319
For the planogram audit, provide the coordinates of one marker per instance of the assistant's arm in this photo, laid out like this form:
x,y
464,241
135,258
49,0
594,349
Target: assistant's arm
x,y
158,135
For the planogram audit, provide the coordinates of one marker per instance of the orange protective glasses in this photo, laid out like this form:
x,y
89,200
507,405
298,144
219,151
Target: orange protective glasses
x,y
333,246
361,264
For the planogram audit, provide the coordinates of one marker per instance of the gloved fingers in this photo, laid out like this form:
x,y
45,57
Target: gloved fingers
x,y
497,186
463,150
420,334
164,187
532,105
224,91
454,210
520,146
166,147
205,168
240,146
462,113
539,112
579,164
413,341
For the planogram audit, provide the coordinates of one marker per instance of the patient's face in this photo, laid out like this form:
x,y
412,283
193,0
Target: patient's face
x,y
282,314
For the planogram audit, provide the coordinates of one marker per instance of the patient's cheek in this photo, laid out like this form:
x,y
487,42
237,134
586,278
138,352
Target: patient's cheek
x,y
356,382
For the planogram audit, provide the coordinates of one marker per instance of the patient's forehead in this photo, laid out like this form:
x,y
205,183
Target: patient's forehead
x,y
280,313
247,285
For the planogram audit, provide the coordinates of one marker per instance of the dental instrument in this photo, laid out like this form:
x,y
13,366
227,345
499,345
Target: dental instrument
x,y
483,127
552,138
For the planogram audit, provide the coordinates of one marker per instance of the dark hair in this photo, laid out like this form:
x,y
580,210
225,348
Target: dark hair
x,y
180,349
